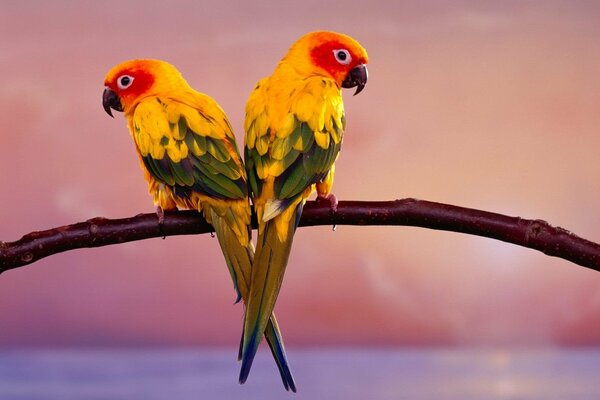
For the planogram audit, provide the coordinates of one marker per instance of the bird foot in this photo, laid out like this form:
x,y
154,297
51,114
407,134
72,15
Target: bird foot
x,y
161,215
331,199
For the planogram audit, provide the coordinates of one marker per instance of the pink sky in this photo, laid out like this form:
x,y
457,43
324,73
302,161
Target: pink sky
x,y
489,105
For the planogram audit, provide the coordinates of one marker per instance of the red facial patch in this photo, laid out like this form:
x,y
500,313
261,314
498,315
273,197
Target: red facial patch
x,y
142,81
323,57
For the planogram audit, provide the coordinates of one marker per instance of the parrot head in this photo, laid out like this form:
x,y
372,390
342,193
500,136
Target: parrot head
x,y
331,54
129,82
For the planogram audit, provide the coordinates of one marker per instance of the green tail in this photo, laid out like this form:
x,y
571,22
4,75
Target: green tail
x,y
239,261
267,275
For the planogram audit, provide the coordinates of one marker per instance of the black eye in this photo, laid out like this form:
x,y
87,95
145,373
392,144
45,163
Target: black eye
x,y
124,81
342,56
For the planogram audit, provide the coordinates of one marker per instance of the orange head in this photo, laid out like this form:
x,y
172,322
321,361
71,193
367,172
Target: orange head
x,y
330,54
129,82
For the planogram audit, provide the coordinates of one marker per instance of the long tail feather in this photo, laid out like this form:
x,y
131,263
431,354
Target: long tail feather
x,y
239,261
267,275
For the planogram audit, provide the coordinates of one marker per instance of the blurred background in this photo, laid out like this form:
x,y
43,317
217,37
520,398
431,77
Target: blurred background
x,y
489,105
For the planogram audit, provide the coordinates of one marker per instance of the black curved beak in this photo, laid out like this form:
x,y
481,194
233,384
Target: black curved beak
x,y
111,100
356,77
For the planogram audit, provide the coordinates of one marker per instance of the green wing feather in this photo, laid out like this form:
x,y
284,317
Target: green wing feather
x,y
191,161
295,157
307,168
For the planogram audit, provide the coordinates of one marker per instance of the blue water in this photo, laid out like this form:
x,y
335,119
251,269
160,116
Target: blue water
x,y
320,374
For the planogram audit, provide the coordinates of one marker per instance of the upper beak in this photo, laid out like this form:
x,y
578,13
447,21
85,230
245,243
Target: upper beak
x,y
111,100
356,77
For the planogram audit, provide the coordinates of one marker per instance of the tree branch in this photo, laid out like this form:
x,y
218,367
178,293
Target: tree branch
x,y
96,232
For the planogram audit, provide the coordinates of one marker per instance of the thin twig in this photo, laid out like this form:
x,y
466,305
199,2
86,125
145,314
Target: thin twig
x,y
96,232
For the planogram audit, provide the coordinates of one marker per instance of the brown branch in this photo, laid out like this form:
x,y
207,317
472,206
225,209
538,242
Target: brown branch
x,y
96,232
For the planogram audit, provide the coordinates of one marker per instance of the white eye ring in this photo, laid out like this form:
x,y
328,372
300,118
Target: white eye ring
x,y
124,81
342,56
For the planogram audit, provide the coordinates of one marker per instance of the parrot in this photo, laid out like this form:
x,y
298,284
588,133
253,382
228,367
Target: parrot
x,y
294,126
190,159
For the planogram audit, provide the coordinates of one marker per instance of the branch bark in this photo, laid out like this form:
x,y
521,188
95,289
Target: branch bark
x,y
96,232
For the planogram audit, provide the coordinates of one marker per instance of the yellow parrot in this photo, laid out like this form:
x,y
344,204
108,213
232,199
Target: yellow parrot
x,y
294,127
190,159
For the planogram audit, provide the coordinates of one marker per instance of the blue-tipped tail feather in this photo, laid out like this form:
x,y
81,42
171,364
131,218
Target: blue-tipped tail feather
x,y
239,261
270,260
